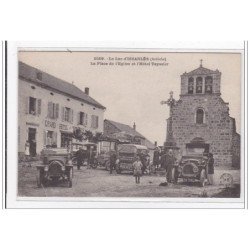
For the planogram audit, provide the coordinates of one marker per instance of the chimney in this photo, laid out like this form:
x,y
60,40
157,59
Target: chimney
x,y
156,143
87,91
134,126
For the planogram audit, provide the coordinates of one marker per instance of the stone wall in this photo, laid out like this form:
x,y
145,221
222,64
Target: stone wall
x,y
217,129
236,150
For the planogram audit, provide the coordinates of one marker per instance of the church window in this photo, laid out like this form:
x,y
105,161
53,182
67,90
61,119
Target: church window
x,y
208,84
191,85
200,116
199,85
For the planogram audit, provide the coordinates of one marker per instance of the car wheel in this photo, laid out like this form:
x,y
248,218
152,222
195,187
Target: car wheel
x,y
203,178
70,174
39,178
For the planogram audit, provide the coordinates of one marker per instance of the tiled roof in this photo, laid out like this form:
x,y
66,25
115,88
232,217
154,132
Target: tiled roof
x,y
129,130
202,71
30,73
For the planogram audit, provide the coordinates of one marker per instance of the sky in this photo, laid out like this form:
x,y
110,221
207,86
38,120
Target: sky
x,y
133,93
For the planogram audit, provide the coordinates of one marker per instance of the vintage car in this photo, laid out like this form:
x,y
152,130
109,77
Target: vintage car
x,y
86,148
103,160
192,166
127,154
56,166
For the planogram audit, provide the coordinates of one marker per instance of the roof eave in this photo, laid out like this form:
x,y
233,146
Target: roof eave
x,y
56,90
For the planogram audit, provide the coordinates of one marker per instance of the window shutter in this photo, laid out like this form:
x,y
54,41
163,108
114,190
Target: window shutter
x,y
63,114
78,117
72,115
97,122
91,121
85,119
39,102
57,110
27,105
45,137
49,109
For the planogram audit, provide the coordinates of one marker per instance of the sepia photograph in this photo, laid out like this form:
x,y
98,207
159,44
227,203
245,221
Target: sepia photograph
x,y
131,124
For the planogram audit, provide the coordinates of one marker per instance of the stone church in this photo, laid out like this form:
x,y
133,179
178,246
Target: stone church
x,y
201,117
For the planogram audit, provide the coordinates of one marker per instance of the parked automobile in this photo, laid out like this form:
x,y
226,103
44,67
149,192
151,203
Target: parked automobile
x,y
56,166
103,160
86,148
126,156
192,166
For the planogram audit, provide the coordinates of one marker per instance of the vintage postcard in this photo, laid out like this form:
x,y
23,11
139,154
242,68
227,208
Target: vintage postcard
x,y
112,127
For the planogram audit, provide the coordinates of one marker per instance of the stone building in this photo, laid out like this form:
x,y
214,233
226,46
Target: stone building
x,y
201,116
50,109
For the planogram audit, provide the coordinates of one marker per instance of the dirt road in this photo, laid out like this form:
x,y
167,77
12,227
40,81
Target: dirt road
x,y
99,183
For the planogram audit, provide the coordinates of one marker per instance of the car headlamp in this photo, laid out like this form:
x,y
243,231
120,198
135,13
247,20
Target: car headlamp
x,y
70,162
63,168
46,168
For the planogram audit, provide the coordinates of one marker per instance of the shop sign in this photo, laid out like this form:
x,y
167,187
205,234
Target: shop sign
x,y
50,124
63,127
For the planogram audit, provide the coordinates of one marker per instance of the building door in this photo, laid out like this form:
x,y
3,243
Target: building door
x,y
32,141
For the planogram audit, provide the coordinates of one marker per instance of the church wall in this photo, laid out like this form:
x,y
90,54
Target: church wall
x,y
216,131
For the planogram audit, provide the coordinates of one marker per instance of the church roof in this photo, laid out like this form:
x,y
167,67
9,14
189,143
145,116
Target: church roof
x,y
202,71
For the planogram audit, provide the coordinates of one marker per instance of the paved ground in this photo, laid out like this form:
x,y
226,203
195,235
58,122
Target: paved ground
x,y
99,183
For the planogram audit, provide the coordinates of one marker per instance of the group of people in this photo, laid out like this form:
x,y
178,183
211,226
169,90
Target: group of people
x,y
168,161
165,160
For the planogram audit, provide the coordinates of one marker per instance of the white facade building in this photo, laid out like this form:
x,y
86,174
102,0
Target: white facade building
x,y
50,109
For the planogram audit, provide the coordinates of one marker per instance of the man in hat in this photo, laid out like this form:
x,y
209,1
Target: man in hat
x,y
156,158
112,161
170,161
210,169
79,157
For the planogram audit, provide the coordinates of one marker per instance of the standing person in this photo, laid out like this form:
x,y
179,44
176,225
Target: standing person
x,y
112,161
163,159
79,157
27,150
91,158
210,169
27,153
137,165
156,158
170,162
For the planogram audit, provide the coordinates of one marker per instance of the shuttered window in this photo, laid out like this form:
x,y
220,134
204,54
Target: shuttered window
x,y
94,121
67,114
53,110
82,118
33,106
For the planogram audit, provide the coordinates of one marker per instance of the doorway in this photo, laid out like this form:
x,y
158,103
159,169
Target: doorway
x,y
32,141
